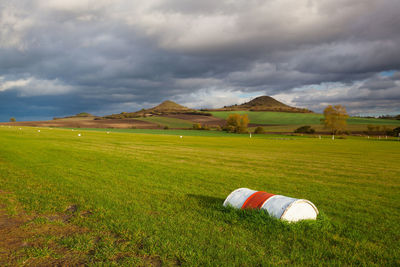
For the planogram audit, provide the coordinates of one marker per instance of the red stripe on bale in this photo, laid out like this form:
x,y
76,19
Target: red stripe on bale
x,y
256,200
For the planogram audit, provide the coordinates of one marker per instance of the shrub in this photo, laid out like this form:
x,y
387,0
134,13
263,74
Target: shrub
x,y
229,128
206,127
396,131
166,127
387,130
218,128
13,119
237,123
197,126
259,130
305,129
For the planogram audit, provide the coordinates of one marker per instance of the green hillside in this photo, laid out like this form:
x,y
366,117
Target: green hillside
x,y
286,118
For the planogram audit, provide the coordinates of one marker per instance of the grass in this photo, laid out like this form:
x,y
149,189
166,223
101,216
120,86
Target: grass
x,y
170,122
352,128
159,198
284,118
182,132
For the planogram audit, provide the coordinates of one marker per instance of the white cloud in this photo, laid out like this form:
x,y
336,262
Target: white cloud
x,y
35,87
5,85
14,24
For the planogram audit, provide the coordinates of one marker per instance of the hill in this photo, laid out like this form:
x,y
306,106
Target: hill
x,y
264,103
79,115
165,108
169,107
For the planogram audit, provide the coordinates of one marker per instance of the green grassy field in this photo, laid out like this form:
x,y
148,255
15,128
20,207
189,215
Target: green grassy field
x,y
352,128
158,198
284,118
170,122
177,132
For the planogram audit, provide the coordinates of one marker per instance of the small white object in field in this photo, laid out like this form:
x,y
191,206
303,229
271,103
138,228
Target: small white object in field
x,y
333,137
250,135
385,137
79,134
38,131
108,132
180,136
72,130
319,137
379,138
368,136
21,129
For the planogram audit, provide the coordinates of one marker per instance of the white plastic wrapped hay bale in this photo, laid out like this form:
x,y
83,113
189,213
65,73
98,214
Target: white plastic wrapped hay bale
x,y
278,206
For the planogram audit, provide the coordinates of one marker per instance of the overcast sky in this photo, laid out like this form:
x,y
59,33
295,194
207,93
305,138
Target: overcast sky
x,y
61,57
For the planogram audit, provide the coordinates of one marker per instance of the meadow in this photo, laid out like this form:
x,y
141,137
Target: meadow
x,y
177,132
150,199
286,118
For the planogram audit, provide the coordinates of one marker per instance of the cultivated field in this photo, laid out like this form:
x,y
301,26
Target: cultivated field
x,y
272,122
169,122
88,122
286,118
146,199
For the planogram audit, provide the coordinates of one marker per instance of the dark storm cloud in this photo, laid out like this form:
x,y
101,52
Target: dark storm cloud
x,y
112,56
376,95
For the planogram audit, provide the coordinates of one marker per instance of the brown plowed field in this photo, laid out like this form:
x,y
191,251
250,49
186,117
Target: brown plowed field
x,y
209,120
88,123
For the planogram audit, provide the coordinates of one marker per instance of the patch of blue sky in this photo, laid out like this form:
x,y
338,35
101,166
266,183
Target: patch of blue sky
x,y
388,73
252,94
